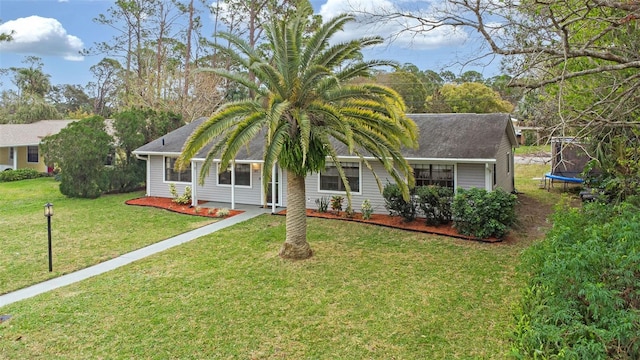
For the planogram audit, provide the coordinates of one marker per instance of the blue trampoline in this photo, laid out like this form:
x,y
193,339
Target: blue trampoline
x,y
563,178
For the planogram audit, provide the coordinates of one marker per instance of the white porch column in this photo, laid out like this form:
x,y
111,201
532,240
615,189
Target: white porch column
x,y
14,150
233,185
273,188
194,182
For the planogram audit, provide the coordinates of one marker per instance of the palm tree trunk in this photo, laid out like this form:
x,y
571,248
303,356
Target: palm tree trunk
x,y
296,245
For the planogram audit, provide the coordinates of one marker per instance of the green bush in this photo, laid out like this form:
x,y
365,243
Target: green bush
x,y
367,209
184,199
582,299
482,213
20,174
336,203
435,203
397,205
323,204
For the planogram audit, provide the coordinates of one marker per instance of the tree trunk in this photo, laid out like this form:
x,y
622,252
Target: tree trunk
x,y
296,245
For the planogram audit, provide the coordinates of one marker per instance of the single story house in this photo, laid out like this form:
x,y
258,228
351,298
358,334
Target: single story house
x,y
455,150
19,143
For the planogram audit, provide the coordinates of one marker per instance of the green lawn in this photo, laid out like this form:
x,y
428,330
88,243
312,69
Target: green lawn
x,y
84,232
369,292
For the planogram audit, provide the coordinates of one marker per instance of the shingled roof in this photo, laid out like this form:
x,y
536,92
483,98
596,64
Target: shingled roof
x,y
30,134
442,136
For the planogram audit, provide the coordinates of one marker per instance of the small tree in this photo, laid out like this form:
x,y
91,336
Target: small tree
x,y
80,150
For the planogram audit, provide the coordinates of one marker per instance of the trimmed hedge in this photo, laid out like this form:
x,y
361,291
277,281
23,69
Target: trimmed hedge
x,y
582,300
20,174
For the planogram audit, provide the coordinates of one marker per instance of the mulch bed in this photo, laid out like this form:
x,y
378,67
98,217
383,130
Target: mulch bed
x,y
396,222
168,204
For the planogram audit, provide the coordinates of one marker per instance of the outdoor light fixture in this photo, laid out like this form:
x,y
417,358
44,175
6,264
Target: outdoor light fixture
x,y
48,213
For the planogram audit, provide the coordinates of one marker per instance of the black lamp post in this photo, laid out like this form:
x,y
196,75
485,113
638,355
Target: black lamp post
x,y
48,213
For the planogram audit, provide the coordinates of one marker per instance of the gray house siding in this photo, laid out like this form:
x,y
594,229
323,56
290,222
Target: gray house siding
x,y
212,191
504,165
368,189
471,175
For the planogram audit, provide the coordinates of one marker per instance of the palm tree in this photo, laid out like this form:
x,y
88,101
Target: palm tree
x,y
303,106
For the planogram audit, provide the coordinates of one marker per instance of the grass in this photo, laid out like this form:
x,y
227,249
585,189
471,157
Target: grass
x,y
532,149
369,292
84,232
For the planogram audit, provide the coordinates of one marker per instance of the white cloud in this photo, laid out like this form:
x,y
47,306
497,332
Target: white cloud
x,y
392,30
41,36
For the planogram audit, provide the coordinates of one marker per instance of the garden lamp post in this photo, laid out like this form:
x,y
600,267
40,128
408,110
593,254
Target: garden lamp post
x,y
48,213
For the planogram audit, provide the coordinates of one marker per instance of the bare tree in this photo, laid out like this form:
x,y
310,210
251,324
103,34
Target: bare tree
x,y
583,54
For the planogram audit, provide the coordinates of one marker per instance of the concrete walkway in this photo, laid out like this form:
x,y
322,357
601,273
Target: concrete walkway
x,y
64,280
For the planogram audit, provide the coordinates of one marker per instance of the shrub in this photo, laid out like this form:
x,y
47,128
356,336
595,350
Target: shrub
x,y
435,203
582,299
397,205
323,204
20,174
348,212
367,209
336,203
223,212
183,199
482,213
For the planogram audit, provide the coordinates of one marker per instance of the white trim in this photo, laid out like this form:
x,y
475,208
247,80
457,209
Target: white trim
x,y
359,192
346,158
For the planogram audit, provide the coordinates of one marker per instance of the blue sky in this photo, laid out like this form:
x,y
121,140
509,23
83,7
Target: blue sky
x,y
56,30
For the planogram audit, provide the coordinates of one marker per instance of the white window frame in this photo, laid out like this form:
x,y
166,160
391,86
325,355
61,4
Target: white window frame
x,y
218,173
359,163
164,171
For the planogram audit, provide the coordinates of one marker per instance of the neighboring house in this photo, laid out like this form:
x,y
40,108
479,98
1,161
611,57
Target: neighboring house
x,y
455,150
19,143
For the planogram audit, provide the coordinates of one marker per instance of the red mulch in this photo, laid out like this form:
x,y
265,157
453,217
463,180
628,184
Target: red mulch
x,y
168,204
396,222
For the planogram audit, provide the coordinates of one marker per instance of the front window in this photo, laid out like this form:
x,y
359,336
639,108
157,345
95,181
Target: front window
x,y
32,154
170,174
243,175
11,150
330,178
433,174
